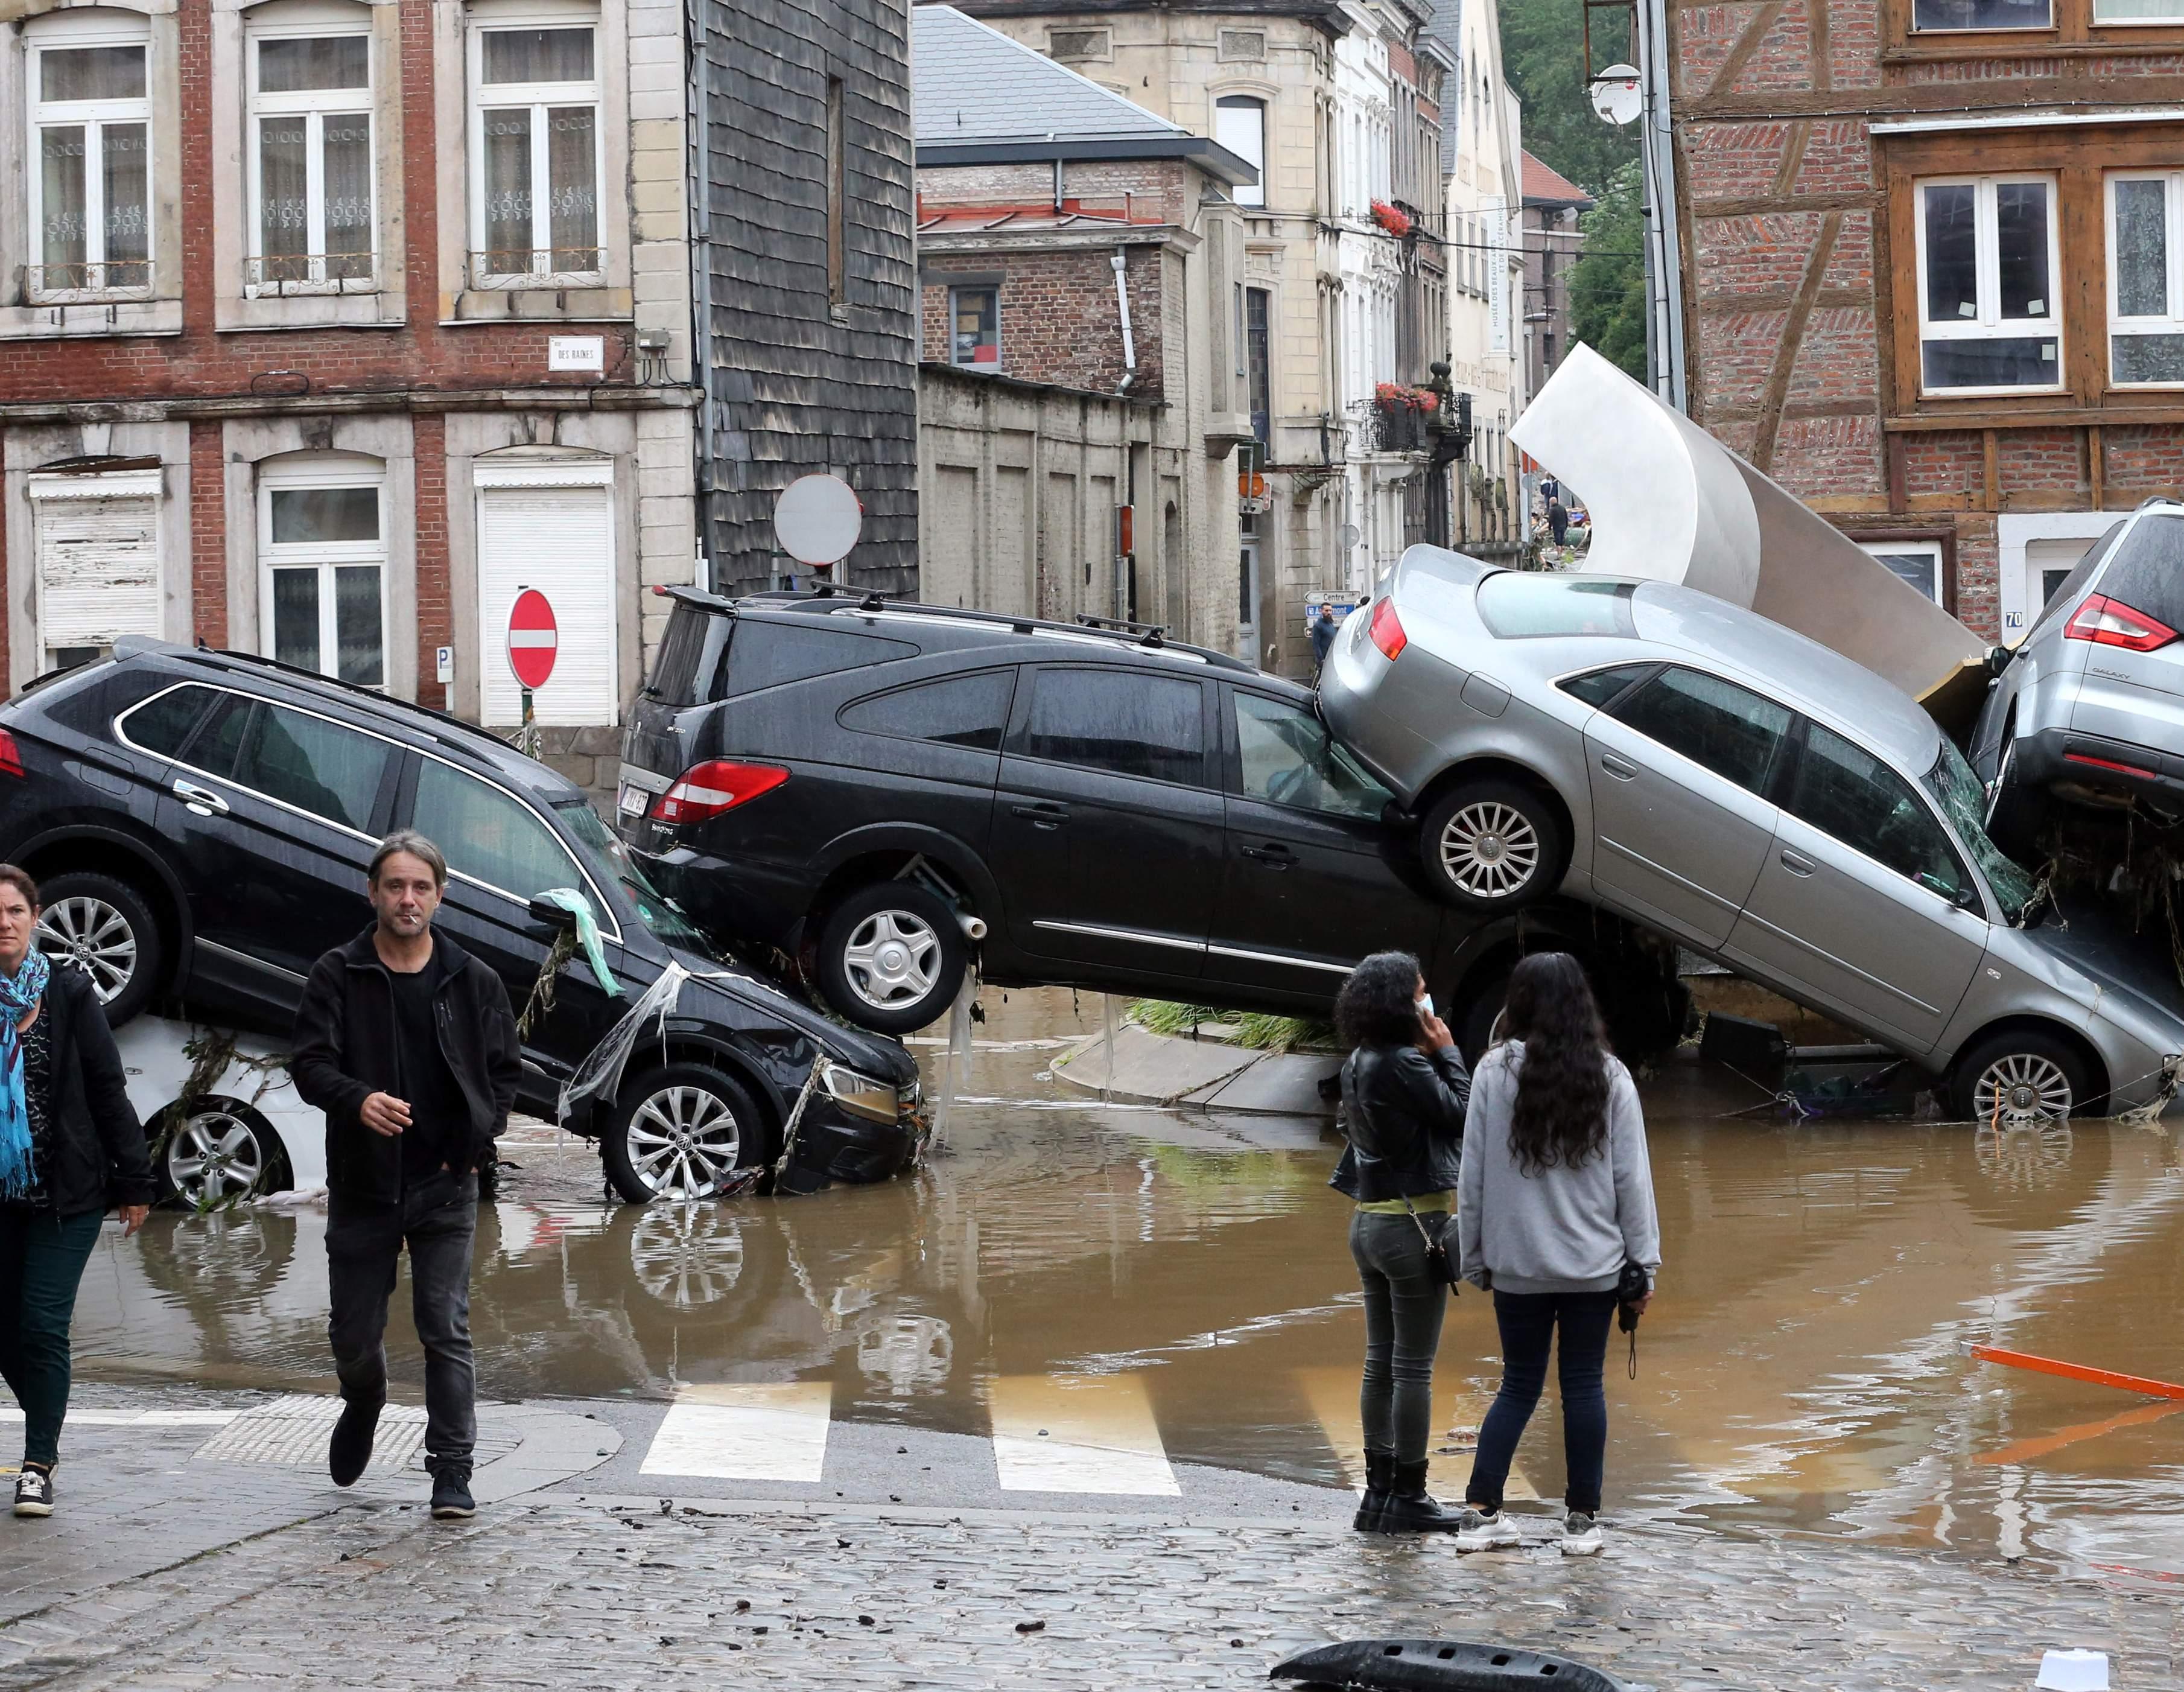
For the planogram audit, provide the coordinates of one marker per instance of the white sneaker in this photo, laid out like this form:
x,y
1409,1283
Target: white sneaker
x,y
1580,1535
1479,1530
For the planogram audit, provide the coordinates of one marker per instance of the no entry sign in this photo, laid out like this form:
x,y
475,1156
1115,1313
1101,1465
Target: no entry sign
x,y
533,638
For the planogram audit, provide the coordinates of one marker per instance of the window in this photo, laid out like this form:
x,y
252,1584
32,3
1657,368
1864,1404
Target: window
x,y
1962,797
1726,729
691,667
837,197
2138,11
318,766
219,743
962,711
2145,570
96,540
1257,370
1848,793
1288,759
91,165
1119,720
1601,687
974,318
534,157
764,654
310,163
488,837
1239,123
1517,605
1987,265
1918,562
1989,14
322,561
163,724
2146,280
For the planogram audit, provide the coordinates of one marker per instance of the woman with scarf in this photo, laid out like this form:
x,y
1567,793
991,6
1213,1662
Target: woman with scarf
x,y
71,1145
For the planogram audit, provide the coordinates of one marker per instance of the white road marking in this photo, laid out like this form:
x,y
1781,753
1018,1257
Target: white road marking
x,y
744,1432
171,1418
1084,1433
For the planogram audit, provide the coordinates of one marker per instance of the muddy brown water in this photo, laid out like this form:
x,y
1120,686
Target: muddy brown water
x,y
1804,1369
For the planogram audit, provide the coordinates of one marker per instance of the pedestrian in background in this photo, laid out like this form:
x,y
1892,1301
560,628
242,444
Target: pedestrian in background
x,y
1558,521
71,1145
1322,636
1403,1090
1555,1200
408,1044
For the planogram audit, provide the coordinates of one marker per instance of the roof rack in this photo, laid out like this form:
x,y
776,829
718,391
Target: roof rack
x,y
1145,637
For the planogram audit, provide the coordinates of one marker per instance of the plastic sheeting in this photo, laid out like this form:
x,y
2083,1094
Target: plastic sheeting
x,y
600,1073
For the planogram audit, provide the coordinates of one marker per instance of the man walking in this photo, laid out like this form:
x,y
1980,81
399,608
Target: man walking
x,y
408,1044
1323,636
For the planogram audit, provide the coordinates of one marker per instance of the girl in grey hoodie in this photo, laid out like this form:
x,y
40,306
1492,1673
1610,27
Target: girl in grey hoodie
x,y
1554,1198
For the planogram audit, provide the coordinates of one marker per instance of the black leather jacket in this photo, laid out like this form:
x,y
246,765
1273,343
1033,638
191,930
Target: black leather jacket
x,y
1403,1111
97,1156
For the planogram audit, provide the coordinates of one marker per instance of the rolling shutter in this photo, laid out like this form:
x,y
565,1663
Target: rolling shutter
x,y
97,552
557,537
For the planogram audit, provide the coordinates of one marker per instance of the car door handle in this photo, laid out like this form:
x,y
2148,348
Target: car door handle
x,y
202,800
1273,855
1796,863
1042,815
1620,768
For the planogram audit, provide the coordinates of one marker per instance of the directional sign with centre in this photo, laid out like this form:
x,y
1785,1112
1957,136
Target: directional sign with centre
x,y
533,638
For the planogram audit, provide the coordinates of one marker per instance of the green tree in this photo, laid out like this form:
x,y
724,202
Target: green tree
x,y
1543,56
1607,285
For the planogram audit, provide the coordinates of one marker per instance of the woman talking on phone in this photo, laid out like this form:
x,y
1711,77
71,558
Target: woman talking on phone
x,y
1403,1092
1555,1207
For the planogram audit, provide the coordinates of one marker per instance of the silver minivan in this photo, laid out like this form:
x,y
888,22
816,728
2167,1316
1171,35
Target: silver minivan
x,y
1749,793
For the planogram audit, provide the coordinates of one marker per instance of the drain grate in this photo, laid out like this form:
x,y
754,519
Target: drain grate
x,y
292,1432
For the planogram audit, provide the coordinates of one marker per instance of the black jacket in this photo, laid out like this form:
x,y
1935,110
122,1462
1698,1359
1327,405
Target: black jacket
x,y
96,1156
345,1052
1403,1111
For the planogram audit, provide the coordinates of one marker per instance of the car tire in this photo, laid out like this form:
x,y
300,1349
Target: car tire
x,y
1493,844
2015,810
680,1131
214,1154
2020,1078
892,956
1473,1027
106,927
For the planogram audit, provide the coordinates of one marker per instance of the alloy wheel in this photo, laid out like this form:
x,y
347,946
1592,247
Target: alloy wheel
x,y
687,1255
97,935
684,1142
1490,850
214,1156
2022,1088
893,960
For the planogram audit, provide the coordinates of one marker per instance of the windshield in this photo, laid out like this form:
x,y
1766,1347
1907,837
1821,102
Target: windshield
x,y
1963,801
606,857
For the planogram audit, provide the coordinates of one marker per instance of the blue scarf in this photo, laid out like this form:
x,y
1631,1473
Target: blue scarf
x,y
18,993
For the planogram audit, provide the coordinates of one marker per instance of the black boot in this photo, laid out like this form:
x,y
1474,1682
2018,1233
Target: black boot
x,y
350,1448
1411,1509
1380,1474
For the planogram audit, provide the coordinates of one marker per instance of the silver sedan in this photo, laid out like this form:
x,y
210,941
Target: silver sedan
x,y
1750,794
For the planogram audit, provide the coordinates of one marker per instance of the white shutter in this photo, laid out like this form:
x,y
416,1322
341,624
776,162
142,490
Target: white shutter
x,y
560,541
97,562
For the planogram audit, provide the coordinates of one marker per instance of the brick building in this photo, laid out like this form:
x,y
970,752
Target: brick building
x,y
1553,243
1931,271
1080,406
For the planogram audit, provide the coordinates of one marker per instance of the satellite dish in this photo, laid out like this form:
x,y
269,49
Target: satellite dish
x,y
1615,95
817,520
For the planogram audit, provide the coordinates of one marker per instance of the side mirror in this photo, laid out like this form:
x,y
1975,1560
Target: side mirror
x,y
1998,659
555,917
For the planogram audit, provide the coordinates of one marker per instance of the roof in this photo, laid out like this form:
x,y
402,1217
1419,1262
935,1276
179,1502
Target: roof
x,y
1544,185
980,97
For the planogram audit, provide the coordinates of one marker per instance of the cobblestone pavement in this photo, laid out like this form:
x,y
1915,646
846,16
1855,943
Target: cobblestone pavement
x,y
163,1572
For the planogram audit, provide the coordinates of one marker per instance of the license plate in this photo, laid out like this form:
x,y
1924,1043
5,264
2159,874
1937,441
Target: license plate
x,y
634,800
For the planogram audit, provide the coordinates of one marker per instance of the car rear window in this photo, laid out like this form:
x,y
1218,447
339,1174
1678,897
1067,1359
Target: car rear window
x,y
691,667
958,710
1519,604
771,654
2147,571
163,724
1602,687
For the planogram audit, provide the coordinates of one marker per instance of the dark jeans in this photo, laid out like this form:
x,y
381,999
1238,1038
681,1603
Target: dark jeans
x,y
1528,1321
42,1260
437,1219
1404,1301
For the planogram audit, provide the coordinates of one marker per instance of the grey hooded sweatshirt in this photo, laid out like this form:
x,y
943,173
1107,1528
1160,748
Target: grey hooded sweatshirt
x,y
1563,1230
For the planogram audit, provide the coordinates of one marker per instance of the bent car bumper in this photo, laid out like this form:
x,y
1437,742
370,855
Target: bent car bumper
x,y
832,1144
748,899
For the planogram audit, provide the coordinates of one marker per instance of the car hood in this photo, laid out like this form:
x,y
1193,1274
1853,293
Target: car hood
x,y
871,1054
2135,966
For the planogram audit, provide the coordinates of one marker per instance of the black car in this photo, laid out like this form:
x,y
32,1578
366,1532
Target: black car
x,y
877,790
200,823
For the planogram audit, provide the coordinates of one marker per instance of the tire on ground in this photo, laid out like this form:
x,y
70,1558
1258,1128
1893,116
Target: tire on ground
x,y
123,950
2034,1070
891,957
681,1127
1493,844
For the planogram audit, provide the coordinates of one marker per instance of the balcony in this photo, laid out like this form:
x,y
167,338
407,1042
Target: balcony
x,y
508,267
284,274
88,284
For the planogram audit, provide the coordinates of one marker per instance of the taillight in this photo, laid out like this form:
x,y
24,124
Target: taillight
x,y
707,789
2111,623
11,761
1388,629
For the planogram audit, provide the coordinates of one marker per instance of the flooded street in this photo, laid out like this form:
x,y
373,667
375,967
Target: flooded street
x,y
1804,1369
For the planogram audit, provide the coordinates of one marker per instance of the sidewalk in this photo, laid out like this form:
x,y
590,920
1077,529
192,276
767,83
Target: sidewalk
x,y
166,1571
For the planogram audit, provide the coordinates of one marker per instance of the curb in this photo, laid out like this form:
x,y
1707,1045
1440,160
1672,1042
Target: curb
x,y
1177,1073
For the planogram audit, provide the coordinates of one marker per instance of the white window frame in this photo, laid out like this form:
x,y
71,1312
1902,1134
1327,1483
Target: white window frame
x,y
339,471
1246,193
2173,16
993,288
315,106
2171,322
538,98
1989,325
1876,549
65,35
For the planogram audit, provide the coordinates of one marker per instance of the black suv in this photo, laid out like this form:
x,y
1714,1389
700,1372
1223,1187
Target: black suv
x,y
200,823
877,789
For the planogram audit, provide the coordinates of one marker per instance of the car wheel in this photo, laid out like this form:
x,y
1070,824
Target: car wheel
x,y
2014,810
216,1154
2020,1079
681,1131
1474,1028
891,957
105,926
1493,844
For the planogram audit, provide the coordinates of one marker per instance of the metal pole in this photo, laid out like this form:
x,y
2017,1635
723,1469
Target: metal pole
x,y
529,743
